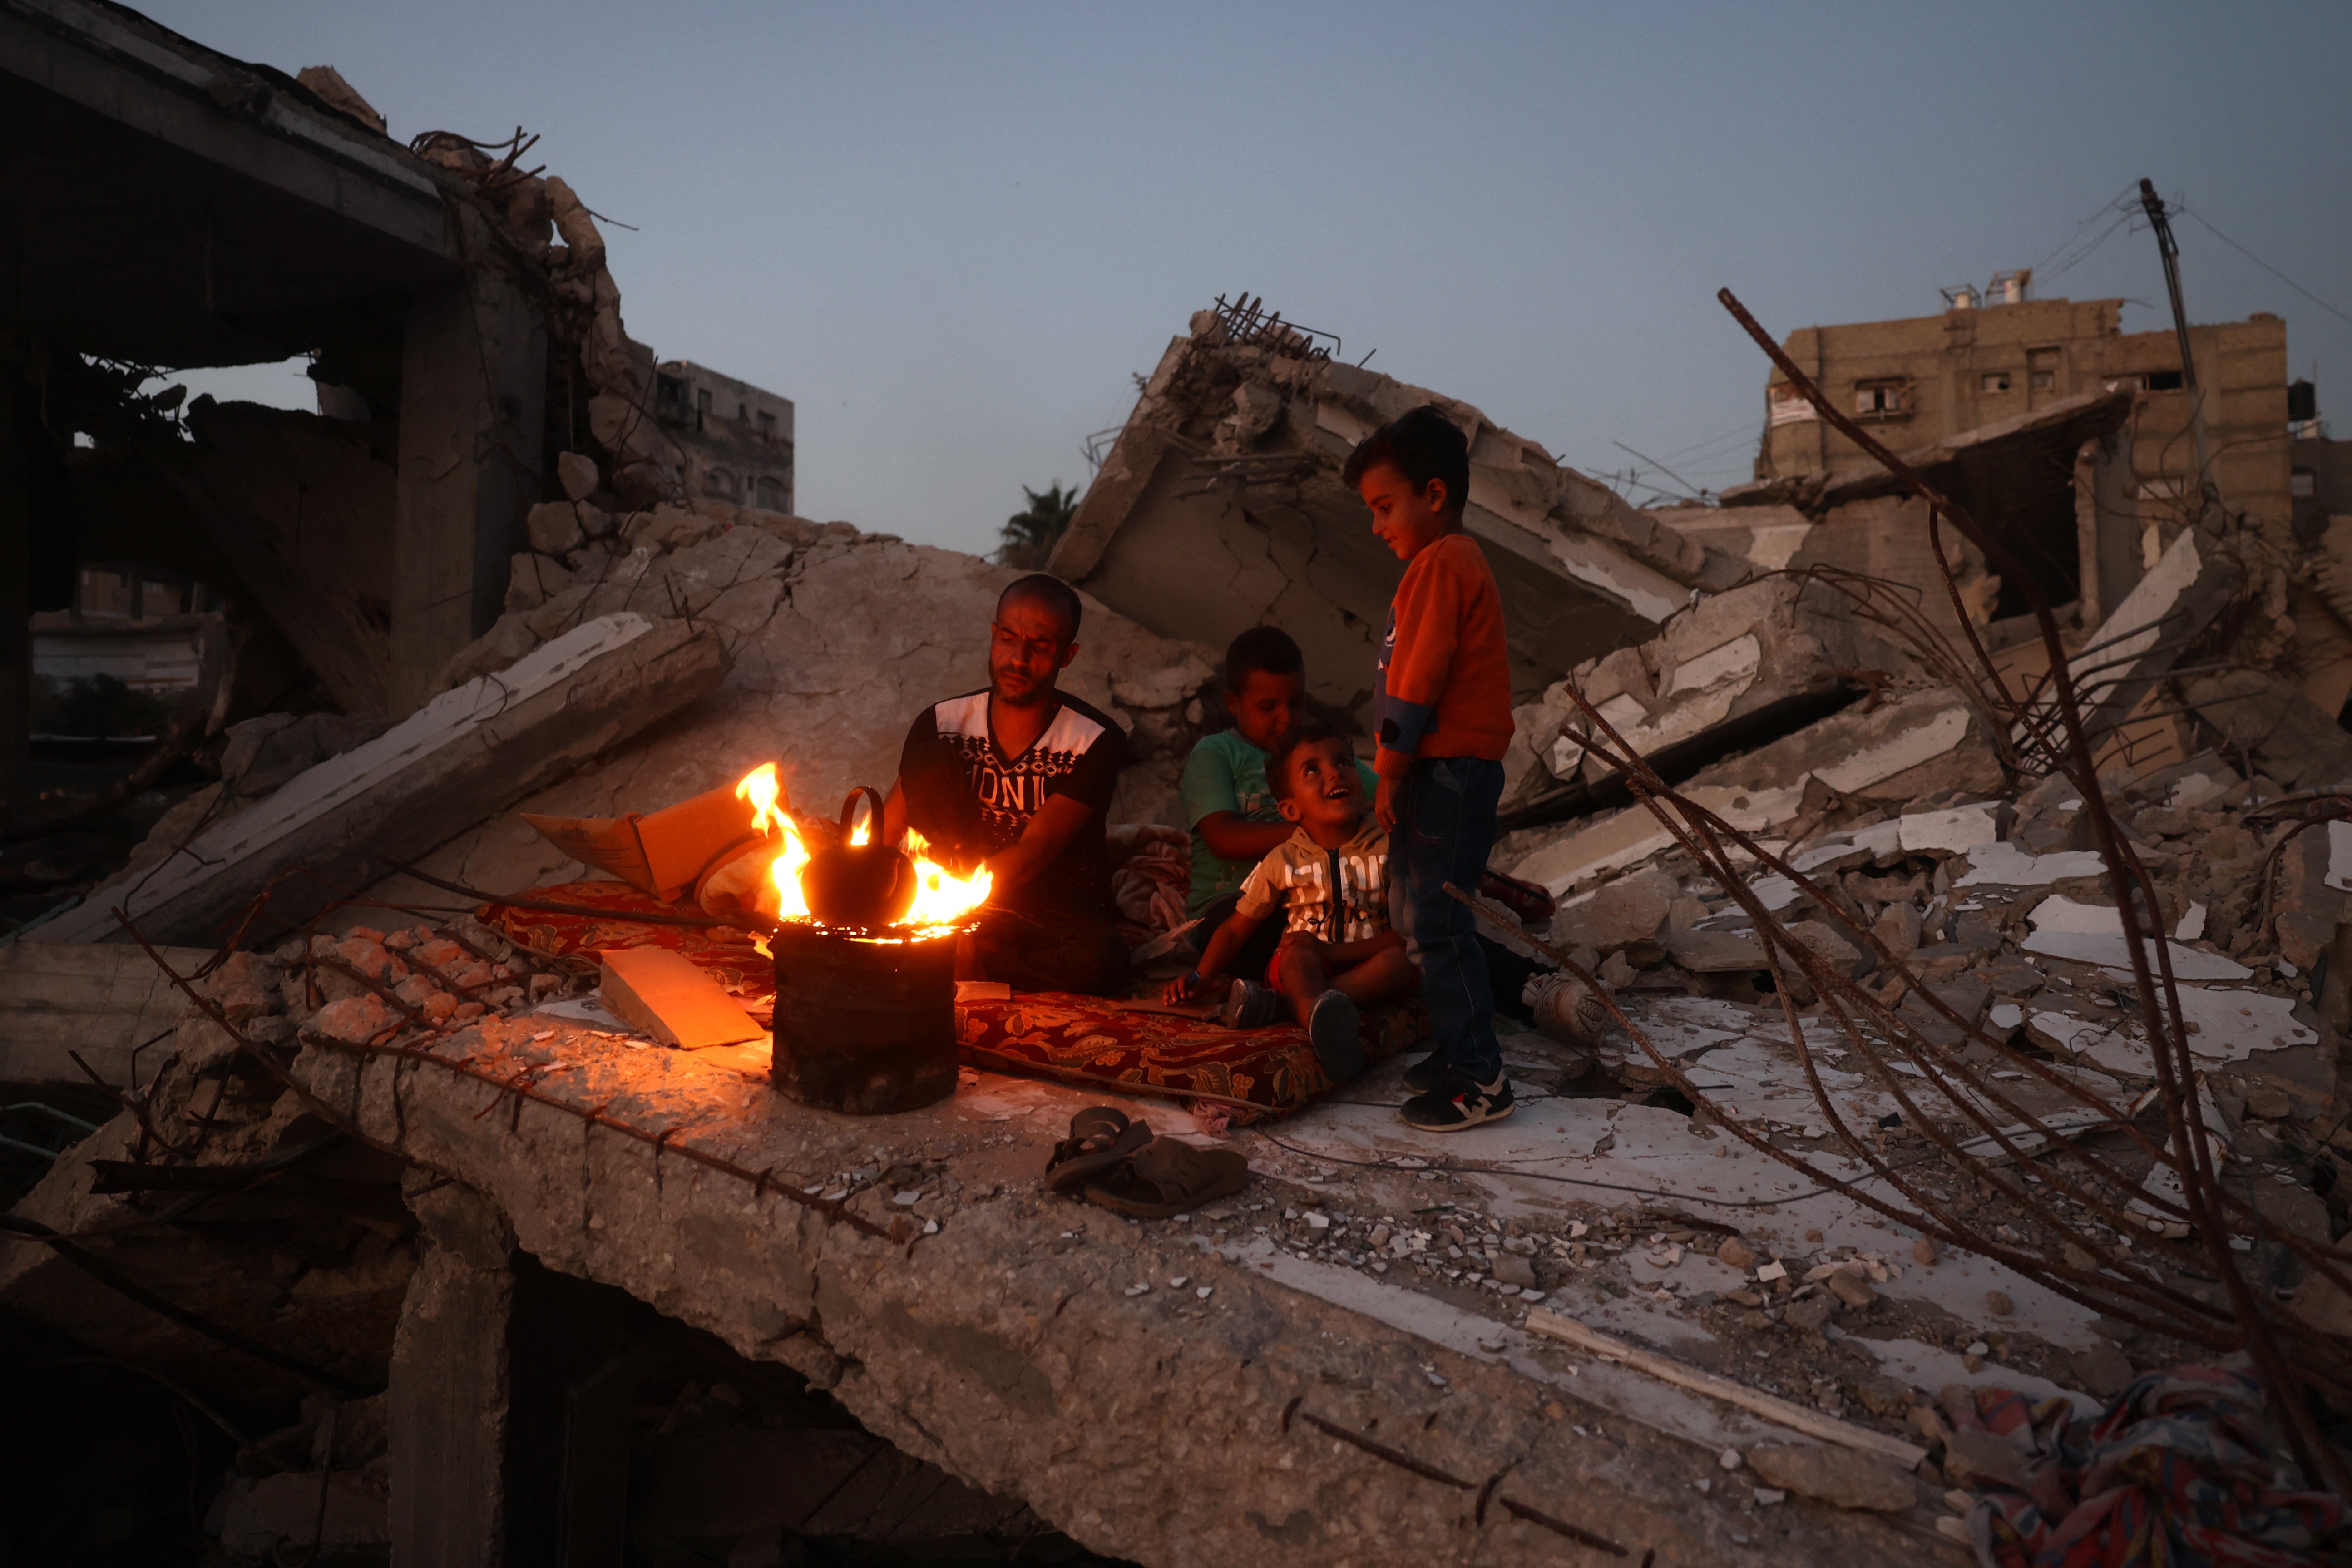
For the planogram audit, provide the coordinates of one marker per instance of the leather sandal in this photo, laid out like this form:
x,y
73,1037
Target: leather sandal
x,y
1100,1138
1168,1177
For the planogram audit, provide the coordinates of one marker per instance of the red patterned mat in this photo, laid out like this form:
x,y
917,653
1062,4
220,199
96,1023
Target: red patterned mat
x,y
1254,1073
1269,1072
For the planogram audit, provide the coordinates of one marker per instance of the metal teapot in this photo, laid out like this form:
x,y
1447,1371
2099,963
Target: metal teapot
x,y
850,884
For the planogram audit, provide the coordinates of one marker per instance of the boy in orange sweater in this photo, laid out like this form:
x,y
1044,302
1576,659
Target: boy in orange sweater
x,y
1444,720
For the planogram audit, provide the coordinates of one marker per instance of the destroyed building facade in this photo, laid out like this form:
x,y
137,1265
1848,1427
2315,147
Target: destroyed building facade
x,y
737,437
1922,380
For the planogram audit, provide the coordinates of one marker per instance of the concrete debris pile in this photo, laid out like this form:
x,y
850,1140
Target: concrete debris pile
x,y
1220,507
467,755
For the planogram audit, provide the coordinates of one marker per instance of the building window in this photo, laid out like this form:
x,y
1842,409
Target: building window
x,y
1993,381
2160,381
771,493
767,425
2302,482
2044,380
1889,399
721,482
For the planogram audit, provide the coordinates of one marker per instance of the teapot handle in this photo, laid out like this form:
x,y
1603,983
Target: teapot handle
x,y
849,811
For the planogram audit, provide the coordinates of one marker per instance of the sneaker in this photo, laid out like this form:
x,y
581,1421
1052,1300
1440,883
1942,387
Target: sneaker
x,y
1429,1072
1338,1045
1458,1104
1249,1006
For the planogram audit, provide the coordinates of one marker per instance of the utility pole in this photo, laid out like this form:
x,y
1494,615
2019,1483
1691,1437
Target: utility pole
x,y
2159,220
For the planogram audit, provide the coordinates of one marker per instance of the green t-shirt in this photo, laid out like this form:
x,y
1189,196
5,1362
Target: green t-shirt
x,y
1225,772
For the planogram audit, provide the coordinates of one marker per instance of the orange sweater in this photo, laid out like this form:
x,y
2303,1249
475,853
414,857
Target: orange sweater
x,y
1445,669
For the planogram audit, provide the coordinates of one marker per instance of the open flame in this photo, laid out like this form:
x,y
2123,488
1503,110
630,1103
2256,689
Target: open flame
x,y
942,897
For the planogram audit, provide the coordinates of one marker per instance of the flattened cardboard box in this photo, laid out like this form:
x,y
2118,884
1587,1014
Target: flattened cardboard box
x,y
660,993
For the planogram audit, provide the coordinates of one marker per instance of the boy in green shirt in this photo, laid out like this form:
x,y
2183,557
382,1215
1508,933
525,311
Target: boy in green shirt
x,y
1234,816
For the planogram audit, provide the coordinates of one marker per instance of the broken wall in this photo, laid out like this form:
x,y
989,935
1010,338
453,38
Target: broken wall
x,y
303,509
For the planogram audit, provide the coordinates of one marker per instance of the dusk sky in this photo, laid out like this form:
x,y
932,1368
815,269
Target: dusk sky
x,y
951,235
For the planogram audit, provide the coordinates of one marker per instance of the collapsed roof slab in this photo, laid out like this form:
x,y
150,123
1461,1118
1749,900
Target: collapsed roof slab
x,y
1220,508
1155,1395
171,206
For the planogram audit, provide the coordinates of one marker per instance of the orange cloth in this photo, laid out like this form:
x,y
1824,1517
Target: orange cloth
x,y
1445,666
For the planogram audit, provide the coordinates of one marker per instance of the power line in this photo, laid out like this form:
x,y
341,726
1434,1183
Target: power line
x,y
2111,204
2265,266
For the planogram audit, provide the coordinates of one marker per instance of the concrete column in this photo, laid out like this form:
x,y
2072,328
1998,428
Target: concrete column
x,y
473,397
15,586
447,1402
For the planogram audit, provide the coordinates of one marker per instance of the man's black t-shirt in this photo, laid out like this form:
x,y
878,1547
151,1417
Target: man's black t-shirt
x,y
1079,755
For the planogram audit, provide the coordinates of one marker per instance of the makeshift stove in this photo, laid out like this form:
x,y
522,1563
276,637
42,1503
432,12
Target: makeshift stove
x,y
865,946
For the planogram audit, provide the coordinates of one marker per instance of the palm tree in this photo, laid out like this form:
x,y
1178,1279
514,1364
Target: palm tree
x,y
1029,537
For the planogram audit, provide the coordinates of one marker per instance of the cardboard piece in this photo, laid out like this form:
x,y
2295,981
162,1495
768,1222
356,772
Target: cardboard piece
x,y
661,993
663,853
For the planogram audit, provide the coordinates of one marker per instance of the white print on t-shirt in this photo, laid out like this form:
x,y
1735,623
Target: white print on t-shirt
x,y
1010,792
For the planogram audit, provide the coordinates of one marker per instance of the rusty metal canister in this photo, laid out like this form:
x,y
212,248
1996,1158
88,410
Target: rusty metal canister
x,y
864,1027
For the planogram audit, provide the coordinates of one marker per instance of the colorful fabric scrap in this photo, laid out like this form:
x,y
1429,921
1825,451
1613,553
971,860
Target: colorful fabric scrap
x,y
2182,1470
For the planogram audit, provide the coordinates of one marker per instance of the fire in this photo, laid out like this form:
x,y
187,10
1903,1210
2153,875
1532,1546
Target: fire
x,y
942,897
758,787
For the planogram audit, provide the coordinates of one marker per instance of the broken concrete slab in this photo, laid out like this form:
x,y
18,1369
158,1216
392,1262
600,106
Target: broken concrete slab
x,y
2286,732
108,1004
1624,911
1892,751
2094,934
1734,670
985,1341
467,755
2119,663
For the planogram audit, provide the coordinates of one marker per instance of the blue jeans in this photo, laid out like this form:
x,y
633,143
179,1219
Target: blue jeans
x,y
1446,829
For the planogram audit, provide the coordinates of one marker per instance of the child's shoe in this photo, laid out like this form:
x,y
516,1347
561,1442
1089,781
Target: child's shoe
x,y
1337,1043
1460,1103
1249,1006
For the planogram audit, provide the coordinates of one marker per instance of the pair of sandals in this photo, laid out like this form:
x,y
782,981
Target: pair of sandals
x,y
1117,1164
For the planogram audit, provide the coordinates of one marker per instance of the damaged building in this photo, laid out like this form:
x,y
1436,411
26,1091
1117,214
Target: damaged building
x,y
1220,507
411,1158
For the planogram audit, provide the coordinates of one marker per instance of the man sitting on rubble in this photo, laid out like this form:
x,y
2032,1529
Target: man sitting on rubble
x,y
1019,776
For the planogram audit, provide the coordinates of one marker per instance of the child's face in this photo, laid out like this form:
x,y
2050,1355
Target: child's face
x,y
1266,706
1407,519
1325,791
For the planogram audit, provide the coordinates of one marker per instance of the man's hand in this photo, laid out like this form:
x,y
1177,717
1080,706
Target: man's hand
x,y
1184,988
1384,804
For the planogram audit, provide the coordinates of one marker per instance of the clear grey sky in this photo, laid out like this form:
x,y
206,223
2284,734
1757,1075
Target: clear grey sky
x,y
952,233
